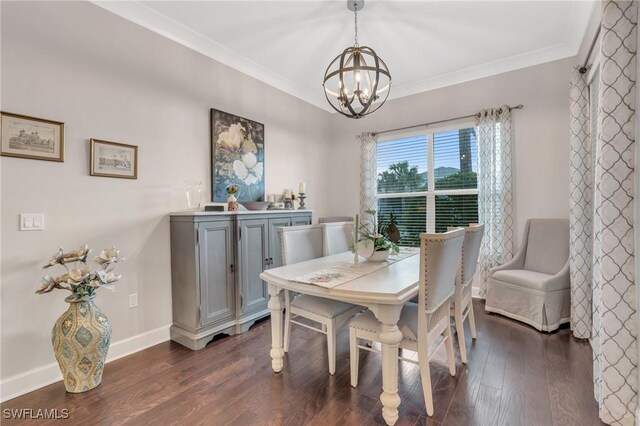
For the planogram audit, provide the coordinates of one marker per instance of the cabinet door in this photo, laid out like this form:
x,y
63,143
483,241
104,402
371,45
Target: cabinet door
x,y
217,295
275,248
254,255
301,220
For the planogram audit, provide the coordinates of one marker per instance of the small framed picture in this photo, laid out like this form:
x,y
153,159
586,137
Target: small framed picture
x,y
30,137
112,159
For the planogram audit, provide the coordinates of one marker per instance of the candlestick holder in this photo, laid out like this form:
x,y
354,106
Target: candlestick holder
x,y
301,196
288,204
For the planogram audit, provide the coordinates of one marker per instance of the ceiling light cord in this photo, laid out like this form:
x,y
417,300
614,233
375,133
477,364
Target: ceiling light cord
x,y
355,12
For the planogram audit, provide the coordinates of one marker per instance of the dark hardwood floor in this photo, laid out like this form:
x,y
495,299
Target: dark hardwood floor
x,y
515,376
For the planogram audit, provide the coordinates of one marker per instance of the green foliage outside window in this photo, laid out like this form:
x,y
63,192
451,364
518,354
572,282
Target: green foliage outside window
x,y
401,178
411,211
456,210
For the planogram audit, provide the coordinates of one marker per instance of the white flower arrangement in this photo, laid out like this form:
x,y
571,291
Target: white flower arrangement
x,y
82,282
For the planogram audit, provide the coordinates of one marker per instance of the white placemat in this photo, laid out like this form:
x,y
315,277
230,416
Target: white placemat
x,y
344,272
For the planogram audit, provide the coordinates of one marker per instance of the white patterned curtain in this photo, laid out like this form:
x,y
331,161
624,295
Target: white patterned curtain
x,y
615,334
368,175
495,206
580,206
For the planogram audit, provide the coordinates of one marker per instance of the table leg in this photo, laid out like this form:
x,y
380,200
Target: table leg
x,y
276,306
390,338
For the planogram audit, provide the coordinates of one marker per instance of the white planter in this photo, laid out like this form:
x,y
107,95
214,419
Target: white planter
x,y
379,256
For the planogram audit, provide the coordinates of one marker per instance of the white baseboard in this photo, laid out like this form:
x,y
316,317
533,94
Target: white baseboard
x,y
42,376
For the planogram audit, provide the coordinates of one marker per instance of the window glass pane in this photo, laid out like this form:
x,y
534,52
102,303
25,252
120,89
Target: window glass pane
x,y
456,210
455,159
410,214
402,165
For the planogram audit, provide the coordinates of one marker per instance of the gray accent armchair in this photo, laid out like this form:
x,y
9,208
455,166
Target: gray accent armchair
x,y
534,287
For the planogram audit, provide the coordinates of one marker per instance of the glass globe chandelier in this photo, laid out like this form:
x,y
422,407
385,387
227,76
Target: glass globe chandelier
x,y
357,82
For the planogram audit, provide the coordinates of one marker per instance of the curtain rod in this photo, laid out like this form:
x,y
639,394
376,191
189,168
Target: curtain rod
x,y
436,122
584,68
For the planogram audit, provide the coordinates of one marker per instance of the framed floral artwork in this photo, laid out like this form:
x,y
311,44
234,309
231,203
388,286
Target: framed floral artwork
x,y
237,157
30,137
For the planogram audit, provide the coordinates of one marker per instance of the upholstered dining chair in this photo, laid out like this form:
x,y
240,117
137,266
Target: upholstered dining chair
x,y
426,325
534,286
300,243
338,237
335,219
463,302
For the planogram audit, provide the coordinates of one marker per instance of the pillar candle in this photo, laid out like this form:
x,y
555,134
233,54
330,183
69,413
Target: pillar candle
x,y
302,187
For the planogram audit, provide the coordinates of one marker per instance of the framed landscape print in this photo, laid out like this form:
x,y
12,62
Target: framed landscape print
x,y
237,157
112,159
31,137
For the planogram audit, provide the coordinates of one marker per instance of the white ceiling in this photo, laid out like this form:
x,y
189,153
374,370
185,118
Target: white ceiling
x,y
426,44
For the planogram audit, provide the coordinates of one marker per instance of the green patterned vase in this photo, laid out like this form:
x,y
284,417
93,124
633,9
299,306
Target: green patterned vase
x,y
80,339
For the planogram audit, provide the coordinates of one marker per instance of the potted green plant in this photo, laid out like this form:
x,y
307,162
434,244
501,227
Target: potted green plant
x,y
370,241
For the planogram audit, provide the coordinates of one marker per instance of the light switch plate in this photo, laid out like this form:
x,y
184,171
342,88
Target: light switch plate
x,y
31,221
133,300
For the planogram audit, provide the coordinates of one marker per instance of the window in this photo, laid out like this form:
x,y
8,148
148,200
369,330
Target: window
x,y
428,181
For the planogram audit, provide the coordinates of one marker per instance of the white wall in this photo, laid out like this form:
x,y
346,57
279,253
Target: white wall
x,y
109,79
541,151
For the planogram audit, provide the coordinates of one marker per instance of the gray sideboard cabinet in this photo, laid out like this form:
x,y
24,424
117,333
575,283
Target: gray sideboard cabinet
x,y
216,260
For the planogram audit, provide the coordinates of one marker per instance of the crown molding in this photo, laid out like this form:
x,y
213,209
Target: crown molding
x,y
575,33
501,66
150,19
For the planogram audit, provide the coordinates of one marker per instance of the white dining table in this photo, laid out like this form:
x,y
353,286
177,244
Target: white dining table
x,y
383,291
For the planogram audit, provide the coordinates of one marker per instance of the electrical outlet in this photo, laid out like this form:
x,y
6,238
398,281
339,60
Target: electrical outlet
x,y
133,300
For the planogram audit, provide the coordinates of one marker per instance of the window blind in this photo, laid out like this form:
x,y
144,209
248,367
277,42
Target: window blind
x,y
411,215
402,165
455,210
428,193
455,158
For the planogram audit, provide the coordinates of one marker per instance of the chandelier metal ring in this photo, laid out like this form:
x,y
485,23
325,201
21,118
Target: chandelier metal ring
x,y
357,82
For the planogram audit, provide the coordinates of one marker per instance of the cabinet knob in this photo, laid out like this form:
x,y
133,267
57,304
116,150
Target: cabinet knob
x,y
231,267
